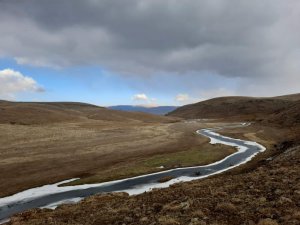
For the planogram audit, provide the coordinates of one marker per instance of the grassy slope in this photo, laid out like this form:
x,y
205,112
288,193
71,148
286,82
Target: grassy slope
x,y
268,110
43,143
199,155
54,112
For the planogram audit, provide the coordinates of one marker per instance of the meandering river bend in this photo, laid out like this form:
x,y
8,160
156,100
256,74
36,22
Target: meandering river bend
x,y
53,195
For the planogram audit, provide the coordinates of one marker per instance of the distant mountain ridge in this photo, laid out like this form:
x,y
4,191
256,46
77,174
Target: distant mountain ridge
x,y
157,110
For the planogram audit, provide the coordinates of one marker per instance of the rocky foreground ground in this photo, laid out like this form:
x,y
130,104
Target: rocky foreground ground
x,y
268,194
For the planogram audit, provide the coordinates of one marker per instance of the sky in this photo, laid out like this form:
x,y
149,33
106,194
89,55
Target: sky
x,y
148,52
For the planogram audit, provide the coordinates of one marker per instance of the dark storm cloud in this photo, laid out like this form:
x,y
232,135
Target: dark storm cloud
x,y
228,37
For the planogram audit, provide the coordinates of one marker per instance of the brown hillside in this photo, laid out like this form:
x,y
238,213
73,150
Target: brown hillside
x,y
53,112
283,109
287,117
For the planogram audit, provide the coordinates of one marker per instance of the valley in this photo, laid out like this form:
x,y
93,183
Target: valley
x,y
73,140
36,153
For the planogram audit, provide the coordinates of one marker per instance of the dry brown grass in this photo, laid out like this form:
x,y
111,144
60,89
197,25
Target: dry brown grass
x,y
267,221
267,195
226,208
165,220
95,150
282,111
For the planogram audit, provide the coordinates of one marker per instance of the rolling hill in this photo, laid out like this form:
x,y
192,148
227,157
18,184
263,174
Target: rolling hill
x,y
27,113
282,110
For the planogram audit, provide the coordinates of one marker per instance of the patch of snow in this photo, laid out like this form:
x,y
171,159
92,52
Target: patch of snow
x,y
66,201
4,221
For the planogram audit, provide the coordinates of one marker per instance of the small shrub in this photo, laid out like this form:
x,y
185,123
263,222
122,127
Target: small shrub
x,y
226,208
166,220
267,222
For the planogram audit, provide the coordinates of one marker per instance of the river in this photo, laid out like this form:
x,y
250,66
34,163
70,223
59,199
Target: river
x,y
50,196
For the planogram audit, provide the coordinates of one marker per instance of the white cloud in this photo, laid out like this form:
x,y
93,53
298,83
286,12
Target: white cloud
x,y
144,100
13,82
140,97
182,98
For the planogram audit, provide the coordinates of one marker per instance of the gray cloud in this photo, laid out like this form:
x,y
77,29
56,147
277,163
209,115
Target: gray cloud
x,y
233,38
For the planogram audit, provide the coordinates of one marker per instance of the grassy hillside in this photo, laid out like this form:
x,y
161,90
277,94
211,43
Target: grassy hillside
x,y
283,110
289,116
26,113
